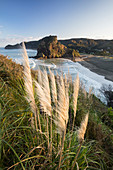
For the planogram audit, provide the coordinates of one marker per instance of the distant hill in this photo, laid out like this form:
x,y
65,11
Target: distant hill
x,y
83,45
29,45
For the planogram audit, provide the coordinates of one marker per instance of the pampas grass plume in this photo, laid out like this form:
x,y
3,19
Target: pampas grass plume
x,y
82,129
45,105
75,94
28,81
62,106
46,89
53,86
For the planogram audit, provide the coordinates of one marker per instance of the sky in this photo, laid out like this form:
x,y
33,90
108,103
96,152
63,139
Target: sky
x,y
27,20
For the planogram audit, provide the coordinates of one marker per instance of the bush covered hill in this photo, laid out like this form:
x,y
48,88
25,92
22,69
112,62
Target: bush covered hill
x,y
57,136
83,45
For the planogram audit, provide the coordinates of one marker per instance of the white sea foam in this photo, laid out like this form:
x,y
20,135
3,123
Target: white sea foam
x,y
89,78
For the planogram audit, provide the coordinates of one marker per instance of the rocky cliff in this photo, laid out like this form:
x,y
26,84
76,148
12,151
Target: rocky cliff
x,y
49,47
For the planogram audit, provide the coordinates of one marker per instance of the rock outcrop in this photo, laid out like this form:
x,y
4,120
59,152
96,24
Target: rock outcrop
x,y
49,47
16,46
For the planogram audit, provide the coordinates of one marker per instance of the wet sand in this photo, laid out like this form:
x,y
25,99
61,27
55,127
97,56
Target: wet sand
x,y
100,65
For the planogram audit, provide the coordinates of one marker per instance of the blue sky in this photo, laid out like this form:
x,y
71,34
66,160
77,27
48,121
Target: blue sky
x,y
26,20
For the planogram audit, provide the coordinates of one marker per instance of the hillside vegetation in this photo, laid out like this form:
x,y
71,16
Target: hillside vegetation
x,y
50,122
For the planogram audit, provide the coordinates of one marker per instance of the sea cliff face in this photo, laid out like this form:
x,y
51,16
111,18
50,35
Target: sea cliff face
x,y
49,47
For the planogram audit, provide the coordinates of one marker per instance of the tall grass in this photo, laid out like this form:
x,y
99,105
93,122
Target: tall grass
x,y
81,133
75,98
29,87
45,143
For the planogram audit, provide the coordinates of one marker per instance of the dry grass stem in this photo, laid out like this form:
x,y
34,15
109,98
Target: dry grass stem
x,y
75,98
82,129
62,147
84,92
81,133
90,92
73,166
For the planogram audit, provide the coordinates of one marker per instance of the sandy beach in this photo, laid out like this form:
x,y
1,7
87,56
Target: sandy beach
x,y
99,64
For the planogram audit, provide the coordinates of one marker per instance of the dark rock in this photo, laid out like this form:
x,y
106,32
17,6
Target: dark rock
x,y
49,47
17,46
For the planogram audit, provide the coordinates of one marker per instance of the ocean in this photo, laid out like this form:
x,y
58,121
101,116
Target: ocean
x,y
87,77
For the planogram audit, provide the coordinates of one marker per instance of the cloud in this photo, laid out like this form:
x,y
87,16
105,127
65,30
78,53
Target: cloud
x,y
14,39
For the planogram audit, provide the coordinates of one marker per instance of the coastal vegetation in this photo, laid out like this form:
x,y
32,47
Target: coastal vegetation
x,y
50,122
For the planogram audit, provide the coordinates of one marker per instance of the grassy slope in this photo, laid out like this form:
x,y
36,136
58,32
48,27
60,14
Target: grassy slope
x,y
19,141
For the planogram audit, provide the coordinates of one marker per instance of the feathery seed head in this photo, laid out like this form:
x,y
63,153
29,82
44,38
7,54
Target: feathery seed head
x,y
75,94
28,81
45,105
82,129
62,107
53,86
46,87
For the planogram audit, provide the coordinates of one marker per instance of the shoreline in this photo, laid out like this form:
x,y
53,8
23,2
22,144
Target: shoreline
x,y
99,65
